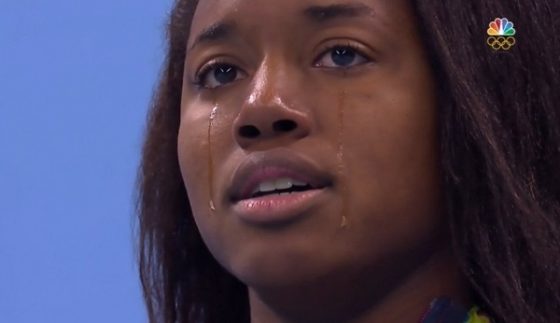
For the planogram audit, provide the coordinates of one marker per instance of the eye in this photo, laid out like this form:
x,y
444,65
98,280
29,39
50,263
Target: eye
x,y
217,74
341,56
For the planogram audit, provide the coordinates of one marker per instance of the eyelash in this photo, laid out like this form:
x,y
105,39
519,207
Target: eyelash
x,y
356,48
203,72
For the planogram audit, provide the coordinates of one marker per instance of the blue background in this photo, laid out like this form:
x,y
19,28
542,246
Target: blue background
x,y
76,79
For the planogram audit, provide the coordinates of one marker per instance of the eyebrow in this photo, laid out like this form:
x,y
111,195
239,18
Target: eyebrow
x,y
214,33
317,14
323,14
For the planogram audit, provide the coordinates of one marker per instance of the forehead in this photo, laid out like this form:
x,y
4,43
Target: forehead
x,y
289,15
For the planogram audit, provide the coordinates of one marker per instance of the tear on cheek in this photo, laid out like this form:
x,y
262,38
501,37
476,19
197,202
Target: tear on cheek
x,y
211,120
340,157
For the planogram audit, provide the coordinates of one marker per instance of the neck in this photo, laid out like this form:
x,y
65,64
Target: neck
x,y
370,296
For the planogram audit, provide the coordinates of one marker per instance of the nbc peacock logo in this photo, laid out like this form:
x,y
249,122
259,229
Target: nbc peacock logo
x,y
501,32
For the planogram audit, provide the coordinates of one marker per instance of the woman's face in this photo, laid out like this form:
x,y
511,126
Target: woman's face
x,y
331,102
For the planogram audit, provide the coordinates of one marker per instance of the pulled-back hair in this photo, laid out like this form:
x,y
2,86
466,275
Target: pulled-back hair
x,y
499,132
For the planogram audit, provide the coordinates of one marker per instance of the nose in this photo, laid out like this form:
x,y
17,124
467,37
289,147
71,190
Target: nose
x,y
271,114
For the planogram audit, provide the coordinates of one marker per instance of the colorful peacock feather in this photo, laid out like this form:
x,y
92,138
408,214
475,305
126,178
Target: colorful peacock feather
x,y
501,27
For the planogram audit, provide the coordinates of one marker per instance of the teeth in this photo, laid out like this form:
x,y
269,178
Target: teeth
x,y
278,184
267,187
283,183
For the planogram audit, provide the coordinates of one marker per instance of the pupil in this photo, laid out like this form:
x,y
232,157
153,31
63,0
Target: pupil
x,y
225,74
343,56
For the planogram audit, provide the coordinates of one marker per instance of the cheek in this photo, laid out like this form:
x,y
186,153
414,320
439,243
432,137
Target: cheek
x,y
203,143
392,164
193,153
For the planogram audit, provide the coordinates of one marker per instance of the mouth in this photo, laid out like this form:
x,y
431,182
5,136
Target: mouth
x,y
281,186
271,187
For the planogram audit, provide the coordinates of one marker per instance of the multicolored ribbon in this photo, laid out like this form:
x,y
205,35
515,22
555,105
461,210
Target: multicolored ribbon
x,y
443,310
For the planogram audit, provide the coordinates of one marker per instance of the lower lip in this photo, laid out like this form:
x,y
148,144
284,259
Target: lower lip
x,y
275,207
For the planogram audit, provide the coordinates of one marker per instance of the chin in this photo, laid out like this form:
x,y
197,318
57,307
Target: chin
x,y
276,269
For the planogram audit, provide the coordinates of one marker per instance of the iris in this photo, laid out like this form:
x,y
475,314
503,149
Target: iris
x,y
225,74
343,56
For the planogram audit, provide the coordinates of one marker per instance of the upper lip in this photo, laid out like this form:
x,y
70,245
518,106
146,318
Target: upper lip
x,y
281,163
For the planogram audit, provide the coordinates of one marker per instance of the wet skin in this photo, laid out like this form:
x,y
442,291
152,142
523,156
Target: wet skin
x,y
359,95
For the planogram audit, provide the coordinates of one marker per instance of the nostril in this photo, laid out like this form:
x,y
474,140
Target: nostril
x,y
249,131
284,125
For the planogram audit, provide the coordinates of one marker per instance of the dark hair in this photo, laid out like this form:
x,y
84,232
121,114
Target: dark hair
x,y
499,128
